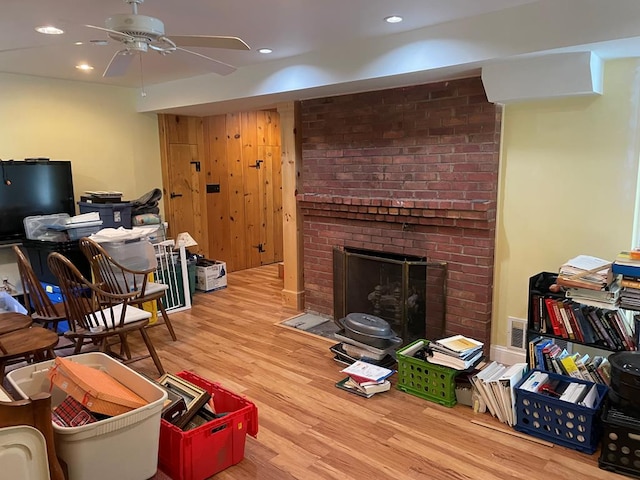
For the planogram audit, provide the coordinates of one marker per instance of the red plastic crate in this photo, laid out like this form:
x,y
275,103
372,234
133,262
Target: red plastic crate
x,y
204,451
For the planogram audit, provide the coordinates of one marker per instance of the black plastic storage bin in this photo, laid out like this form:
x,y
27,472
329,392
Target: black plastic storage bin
x,y
113,215
38,251
620,451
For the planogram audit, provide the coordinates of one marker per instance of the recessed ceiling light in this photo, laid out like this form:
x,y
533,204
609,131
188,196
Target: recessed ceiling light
x,y
265,50
84,67
49,30
393,19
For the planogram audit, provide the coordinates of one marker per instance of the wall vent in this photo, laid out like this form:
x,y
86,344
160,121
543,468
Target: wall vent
x,y
517,334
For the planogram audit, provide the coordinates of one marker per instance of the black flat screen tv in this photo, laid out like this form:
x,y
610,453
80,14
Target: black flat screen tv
x,y
32,188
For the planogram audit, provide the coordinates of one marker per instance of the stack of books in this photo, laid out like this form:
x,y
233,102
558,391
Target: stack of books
x,y
607,297
365,379
627,267
457,352
584,271
546,355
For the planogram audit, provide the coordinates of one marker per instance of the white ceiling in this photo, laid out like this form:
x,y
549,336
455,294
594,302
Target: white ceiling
x,y
305,31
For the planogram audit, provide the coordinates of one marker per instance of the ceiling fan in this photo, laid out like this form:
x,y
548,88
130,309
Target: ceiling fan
x,y
140,33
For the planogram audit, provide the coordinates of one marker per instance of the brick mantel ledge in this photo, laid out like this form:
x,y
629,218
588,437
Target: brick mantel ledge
x,y
478,214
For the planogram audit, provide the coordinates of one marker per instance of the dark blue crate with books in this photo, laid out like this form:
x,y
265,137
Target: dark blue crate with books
x,y
560,409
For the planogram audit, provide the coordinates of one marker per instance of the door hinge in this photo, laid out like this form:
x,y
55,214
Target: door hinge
x,y
260,248
197,164
257,165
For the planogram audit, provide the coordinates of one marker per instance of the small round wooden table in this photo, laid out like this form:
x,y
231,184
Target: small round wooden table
x,y
29,343
11,321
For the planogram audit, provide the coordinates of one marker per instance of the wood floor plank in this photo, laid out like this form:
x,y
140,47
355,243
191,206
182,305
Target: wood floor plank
x,y
311,430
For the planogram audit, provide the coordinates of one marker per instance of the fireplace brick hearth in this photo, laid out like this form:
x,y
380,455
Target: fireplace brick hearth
x,y
410,171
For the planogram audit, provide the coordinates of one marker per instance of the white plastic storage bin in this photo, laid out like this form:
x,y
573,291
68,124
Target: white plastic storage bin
x,y
124,447
136,255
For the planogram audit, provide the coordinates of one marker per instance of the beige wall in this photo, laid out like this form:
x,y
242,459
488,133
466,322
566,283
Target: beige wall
x,y
96,127
568,185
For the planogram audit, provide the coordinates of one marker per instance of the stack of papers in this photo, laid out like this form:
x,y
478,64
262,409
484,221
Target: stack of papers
x,y
457,352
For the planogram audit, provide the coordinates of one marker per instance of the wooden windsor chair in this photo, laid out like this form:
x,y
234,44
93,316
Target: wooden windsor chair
x,y
40,307
121,279
99,315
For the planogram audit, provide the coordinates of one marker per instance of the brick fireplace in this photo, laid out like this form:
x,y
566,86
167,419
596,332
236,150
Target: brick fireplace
x,y
408,171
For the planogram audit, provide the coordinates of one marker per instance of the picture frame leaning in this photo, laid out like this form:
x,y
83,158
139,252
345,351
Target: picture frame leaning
x,y
194,396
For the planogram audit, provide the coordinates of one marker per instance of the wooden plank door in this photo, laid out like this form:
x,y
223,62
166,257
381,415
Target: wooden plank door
x,y
253,180
184,191
235,172
271,187
217,190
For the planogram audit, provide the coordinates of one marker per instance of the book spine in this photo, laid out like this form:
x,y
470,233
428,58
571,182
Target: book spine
x,y
612,338
577,333
535,310
618,321
630,282
567,331
585,326
571,367
625,270
597,325
549,302
594,373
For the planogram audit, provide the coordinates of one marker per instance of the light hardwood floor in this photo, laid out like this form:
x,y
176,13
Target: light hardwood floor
x,y
310,430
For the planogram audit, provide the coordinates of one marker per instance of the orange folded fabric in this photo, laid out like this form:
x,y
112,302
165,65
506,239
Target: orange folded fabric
x,y
93,388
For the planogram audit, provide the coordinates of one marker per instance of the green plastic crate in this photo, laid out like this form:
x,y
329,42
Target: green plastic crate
x,y
423,379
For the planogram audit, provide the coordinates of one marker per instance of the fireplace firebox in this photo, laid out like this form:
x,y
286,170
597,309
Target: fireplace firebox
x,y
408,292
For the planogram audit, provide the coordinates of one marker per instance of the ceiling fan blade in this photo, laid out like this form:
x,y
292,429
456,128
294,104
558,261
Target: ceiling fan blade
x,y
210,41
124,36
218,67
119,64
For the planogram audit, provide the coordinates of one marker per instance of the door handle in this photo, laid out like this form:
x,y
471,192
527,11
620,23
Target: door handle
x,y
174,195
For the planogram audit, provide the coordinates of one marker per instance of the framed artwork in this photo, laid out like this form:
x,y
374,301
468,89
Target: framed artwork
x,y
194,397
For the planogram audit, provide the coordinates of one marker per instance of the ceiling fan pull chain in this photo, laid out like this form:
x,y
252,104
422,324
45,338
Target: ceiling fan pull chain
x,y
143,93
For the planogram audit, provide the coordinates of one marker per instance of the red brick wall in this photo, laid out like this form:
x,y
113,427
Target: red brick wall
x,y
409,170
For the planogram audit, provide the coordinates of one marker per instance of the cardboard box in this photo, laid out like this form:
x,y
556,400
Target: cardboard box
x,y
210,275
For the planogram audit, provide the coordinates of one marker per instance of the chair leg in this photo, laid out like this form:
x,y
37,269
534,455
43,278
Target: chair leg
x,y
152,351
124,346
165,316
79,343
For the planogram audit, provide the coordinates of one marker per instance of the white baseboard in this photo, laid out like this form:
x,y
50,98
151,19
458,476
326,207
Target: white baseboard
x,y
507,356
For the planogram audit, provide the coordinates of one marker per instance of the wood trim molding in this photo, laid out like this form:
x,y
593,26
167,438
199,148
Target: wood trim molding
x,y
292,240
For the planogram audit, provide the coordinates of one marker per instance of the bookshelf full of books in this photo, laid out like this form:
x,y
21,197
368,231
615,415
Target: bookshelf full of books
x,y
572,329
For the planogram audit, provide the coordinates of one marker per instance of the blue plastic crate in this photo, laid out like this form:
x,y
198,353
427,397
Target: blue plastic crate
x,y
564,423
55,295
